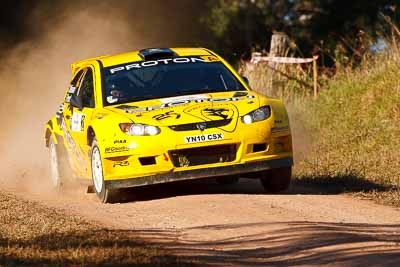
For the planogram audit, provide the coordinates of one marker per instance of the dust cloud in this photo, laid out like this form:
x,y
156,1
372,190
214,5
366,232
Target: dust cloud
x,y
34,74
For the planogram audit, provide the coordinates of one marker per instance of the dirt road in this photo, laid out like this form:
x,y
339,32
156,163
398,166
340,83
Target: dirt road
x,y
239,225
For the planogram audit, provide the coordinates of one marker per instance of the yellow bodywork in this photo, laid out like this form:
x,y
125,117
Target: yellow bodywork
x,y
130,157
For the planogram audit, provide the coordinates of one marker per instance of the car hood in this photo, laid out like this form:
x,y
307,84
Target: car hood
x,y
189,109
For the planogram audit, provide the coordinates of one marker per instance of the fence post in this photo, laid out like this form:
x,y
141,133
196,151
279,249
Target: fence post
x,y
315,76
279,47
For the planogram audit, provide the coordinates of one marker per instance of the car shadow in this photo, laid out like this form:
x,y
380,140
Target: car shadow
x,y
340,184
189,187
300,185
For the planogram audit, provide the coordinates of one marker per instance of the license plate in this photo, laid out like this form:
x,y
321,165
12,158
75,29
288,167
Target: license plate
x,y
203,138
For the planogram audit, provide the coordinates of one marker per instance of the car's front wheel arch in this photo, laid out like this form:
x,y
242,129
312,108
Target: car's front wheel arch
x,y
90,136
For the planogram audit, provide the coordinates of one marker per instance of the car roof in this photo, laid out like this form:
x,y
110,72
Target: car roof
x,y
117,59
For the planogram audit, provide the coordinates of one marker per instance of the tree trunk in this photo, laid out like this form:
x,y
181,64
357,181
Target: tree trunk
x,y
279,48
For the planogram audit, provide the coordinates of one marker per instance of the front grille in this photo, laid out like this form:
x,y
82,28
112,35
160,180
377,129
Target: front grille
x,y
207,124
203,155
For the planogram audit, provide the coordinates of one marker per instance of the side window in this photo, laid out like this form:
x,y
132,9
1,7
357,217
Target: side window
x,y
76,78
86,90
73,85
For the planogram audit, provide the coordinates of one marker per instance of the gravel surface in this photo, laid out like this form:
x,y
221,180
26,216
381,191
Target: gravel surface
x,y
32,234
208,224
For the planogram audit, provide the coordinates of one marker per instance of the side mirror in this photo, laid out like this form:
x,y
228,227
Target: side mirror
x,y
246,80
76,101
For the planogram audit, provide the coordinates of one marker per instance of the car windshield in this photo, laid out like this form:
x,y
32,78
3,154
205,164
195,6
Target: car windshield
x,y
166,78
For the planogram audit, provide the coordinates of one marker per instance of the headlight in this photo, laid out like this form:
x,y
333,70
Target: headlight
x,y
137,129
260,114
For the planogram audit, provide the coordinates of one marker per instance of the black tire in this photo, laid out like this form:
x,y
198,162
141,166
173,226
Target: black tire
x,y
276,180
227,180
105,194
60,169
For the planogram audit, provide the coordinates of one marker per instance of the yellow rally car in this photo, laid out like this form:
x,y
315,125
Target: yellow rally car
x,y
163,115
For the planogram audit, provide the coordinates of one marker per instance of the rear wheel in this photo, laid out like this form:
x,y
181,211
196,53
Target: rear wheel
x,y
54,165
276,180
59,166
103,193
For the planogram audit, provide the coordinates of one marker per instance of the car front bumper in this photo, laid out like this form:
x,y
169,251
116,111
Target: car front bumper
x,y
235,169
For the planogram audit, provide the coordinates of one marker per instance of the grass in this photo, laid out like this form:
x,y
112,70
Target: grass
x,y
33,235
357,120
355,126
352,130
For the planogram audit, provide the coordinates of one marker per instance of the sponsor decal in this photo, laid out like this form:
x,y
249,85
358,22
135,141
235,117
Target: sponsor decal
x,y
187,101
183,98
72,145
69,94
166,61
203,138
116,149
123,163
59,114
60,110
166,115
78,122
217,112
210,58
72,89
280,129
119,142
205,105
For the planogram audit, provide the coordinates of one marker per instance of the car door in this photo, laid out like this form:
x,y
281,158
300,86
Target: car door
x,y
77,121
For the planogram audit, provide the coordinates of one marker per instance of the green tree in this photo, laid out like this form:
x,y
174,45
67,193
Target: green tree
x,y
237,26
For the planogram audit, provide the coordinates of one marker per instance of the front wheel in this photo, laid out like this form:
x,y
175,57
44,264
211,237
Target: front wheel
x,y
103,193
276,180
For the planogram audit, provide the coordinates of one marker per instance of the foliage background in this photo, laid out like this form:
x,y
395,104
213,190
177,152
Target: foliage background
x,y
319,26
231,27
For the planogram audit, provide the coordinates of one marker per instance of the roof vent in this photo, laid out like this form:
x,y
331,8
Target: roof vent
x,y
156,53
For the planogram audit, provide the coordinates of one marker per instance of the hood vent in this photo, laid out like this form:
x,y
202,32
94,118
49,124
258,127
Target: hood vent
x,y
156,53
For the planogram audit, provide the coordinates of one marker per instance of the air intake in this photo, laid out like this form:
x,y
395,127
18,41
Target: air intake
x,y
156,53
